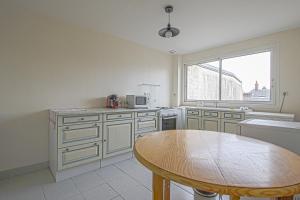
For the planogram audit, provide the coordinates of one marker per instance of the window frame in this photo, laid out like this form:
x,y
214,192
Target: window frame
x,y
274,79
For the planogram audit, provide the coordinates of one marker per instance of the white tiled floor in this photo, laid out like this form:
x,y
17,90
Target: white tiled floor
x,y
126,180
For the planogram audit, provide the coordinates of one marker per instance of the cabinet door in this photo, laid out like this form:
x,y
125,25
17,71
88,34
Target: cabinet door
x,y
230,127
210,124
193,123
118,137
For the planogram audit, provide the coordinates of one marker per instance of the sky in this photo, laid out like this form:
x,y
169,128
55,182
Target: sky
x,y
249,69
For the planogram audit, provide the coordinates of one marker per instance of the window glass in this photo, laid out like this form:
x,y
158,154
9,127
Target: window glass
x,y
243,78
203,81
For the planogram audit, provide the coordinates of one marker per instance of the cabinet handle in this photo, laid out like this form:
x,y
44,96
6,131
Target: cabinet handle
x,y
82,118
120,115
67,149
67,128
95,144
104,140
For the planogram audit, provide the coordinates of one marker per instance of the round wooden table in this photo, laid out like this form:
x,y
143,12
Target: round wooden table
x,y
218,162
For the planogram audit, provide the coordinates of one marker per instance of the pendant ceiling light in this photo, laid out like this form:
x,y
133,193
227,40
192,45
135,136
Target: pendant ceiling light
x,y
169,31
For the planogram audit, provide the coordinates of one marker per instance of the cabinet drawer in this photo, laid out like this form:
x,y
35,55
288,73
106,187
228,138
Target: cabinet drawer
x,y
78,134
117,116
146,125
214,114
81,118
193,112
78,155
227,115
237,116
145,114
234,116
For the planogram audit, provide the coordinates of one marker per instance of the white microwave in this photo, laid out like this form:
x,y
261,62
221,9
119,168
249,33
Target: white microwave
x,y
134,101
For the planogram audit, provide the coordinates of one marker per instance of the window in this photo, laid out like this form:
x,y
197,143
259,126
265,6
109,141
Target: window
x,y
241,78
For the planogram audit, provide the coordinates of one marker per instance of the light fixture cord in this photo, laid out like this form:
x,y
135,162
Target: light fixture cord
x,y
169,17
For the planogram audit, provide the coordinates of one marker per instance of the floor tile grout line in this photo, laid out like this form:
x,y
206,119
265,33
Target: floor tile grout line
x,y
115,191
176,184
104,182
77,188
117,197
42,188
139,182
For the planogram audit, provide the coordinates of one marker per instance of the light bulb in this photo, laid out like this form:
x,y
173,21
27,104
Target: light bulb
x,y
168,34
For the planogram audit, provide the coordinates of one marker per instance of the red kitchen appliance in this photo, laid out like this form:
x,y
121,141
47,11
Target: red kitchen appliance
x,y
112,101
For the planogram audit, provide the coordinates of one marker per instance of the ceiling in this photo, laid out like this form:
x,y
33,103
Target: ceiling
x,y
203,23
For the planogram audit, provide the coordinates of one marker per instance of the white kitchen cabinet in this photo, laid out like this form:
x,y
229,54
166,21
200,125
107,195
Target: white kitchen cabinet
x,y
193,119
118,137
145,122
226,119
82,140
210,124
193,123
211,120
230,122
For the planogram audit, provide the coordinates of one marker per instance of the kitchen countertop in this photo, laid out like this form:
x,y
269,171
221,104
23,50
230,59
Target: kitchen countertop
x,y
76,111
271,114
218,108
271,123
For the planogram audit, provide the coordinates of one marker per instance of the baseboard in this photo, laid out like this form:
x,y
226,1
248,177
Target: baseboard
x,y
75,171
23,170
59,176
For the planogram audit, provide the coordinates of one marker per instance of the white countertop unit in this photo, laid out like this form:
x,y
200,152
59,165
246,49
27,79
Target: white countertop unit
x,y
283,133
270,115
272,124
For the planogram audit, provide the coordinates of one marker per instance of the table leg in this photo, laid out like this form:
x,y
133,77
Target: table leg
x,y
167,189
157,187
285,198
160,188
233,197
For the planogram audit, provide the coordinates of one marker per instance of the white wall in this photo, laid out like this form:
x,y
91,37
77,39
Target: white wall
x,y
46,63
287,59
